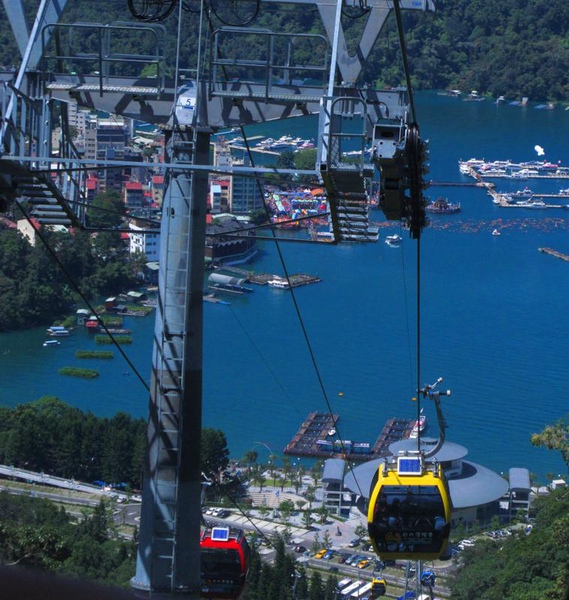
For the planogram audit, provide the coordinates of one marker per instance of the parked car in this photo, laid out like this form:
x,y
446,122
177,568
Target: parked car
x,y
320,553
355,542
363,563
328,555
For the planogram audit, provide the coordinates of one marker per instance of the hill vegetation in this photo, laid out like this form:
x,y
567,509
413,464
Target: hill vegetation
x,y
36,290
525,566
496,47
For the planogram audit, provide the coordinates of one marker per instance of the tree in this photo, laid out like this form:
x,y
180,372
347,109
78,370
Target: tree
x,y
106,211
323,512
214,452
316,471
286,507
310,495
554,437
316,587
305,160
361,532
250,458
307,519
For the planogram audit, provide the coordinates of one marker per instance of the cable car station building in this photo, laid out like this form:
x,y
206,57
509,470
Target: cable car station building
x,y
475,491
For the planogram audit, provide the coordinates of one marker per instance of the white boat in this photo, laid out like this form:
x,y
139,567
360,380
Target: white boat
x,y
57,331
496,232
51,343
281,284
531,204
418,426
331,431
393,240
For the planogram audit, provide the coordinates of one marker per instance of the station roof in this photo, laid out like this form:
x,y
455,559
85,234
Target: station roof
x,y
475,486
519,479
449,451
333,469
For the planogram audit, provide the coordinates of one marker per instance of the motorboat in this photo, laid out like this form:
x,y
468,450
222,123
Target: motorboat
x,y
442,206
281,284
48,343
393,240
496,232
529,203
331,431
418,426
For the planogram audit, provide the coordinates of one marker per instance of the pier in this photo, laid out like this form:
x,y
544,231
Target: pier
x,y
296,280
505,201
555,253
316,438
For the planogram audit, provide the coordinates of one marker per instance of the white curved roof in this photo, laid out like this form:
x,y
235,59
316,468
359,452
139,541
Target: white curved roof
x,y
449,451
476,485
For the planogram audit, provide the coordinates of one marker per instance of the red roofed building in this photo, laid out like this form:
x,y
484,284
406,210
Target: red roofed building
x,y
157,189
92,185
133,194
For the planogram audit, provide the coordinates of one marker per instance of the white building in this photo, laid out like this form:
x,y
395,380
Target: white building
x,y
336,498
147,243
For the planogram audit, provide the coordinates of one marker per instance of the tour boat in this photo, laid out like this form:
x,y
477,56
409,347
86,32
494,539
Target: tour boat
x,y
419,426
393,240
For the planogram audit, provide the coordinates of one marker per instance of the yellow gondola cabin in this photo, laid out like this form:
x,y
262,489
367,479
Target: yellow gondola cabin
x,y
409,509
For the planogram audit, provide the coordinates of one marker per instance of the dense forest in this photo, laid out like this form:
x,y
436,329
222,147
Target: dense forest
x,y
36,534
50,436
36,289
496,47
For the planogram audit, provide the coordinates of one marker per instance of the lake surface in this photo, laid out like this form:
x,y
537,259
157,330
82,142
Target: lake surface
x,y
494,319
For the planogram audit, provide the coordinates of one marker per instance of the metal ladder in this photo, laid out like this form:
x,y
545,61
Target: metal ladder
x,y
168,366
347,180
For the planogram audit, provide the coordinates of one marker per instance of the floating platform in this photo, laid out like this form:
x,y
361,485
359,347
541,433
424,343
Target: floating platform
x,y
314,439
555,253
295,280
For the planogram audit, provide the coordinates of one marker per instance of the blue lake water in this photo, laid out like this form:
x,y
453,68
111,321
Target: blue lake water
x,y
493,318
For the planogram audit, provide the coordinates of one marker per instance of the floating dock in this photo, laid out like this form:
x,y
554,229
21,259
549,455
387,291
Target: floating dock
x,y
316,438
555,253
295,280
263,278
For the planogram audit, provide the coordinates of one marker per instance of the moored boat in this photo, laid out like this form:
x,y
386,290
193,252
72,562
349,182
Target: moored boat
x,y
57,331
48,343
442,206
393,240
419,426
281,284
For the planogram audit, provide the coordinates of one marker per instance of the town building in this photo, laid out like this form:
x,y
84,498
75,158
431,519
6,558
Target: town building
x,y
142,239
335,497
133,195
224,243
157,189
246,195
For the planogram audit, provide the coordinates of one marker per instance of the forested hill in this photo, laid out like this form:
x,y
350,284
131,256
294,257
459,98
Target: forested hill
x,y
498,47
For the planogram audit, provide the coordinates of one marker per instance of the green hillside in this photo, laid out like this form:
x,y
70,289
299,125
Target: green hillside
x,y
499,48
